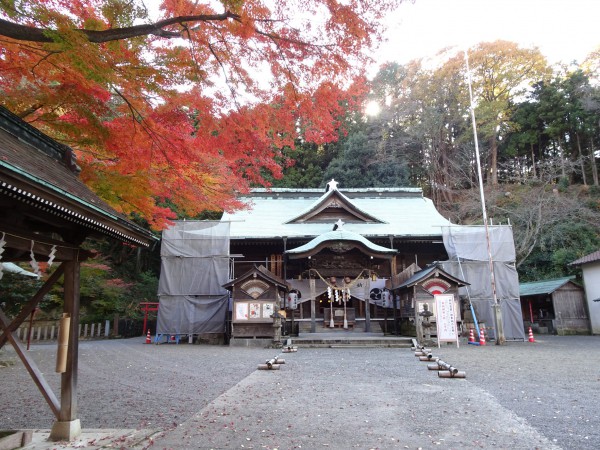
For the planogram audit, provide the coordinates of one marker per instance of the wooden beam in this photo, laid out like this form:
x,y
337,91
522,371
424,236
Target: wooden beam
x,y
31,367
68,382
30,306
18,247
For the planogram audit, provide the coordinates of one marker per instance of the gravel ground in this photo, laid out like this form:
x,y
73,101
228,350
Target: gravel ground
x,y
520,395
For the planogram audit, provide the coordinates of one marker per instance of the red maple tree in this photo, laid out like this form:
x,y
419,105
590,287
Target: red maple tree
x,y
184,110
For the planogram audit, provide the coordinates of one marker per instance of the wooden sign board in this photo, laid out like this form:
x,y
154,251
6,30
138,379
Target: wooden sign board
x,y
447,330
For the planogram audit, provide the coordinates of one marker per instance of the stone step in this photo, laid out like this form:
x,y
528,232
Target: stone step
x,y
305,326
347,338
320,343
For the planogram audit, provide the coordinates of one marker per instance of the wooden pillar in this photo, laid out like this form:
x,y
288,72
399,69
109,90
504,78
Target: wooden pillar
x,y
284,262
395,312
385,320
68,426
313,315
368,305
313,306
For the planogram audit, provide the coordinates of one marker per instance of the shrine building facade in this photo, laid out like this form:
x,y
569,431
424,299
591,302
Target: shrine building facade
x,y
335,247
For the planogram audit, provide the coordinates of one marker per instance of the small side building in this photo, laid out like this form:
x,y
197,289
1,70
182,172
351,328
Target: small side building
x,y
554,306
257,297
416,296
590,268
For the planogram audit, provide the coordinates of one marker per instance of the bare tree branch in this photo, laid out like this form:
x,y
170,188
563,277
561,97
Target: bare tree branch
x,y
32,34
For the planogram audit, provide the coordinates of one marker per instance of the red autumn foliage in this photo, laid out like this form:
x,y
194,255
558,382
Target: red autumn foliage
x,y
180,112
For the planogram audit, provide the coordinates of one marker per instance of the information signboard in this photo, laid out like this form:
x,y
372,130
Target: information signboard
x,y
445,313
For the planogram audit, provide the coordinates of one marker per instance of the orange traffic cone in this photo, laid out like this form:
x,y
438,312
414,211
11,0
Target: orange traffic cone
x,y
148,337
531,339
482,335
471,335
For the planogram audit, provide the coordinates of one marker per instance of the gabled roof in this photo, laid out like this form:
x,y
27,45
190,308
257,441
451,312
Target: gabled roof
x,y
41,175
592,257
401,212
334,202
428,272
262,272
543,287
340,237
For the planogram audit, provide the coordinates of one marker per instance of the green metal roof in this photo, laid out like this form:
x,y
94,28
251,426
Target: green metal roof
x,y
401,212
543,287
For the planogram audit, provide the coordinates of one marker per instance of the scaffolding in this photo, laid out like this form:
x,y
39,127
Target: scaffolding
x,y
469,260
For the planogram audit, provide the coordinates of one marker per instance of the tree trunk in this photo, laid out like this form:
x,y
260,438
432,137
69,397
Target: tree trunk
x,y
562,158
533,161
494,160
594,166
581,160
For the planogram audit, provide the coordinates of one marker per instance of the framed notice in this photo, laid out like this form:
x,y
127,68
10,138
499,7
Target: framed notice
x,y
257,311
254,311
241,311
267,311
447,331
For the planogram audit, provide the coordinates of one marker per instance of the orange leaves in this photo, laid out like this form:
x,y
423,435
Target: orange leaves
x,y
195,106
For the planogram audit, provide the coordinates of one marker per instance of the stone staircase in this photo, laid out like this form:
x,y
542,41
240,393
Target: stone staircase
x,y
352,338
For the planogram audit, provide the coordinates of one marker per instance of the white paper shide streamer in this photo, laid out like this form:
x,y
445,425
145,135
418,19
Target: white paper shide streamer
x,y
2,244
51,256
34,264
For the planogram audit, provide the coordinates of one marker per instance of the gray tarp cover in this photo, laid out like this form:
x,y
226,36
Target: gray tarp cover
x,y
184,314
194,268
470,243
469,261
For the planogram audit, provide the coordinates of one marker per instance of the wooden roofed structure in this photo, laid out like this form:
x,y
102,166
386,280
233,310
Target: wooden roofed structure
x,y
417,287
555,306
47,213
257,295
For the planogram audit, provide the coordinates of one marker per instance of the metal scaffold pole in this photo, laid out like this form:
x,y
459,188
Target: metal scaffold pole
x,y
500,338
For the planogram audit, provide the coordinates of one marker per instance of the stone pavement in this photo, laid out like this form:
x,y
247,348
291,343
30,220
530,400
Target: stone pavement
x,y
94,439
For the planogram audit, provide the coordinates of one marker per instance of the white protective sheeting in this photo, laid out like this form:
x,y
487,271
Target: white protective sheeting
x,y
469,261
194,268
194,239
469,242
477,273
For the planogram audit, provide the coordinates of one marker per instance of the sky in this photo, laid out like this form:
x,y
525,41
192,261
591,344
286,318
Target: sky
x,y
563,30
